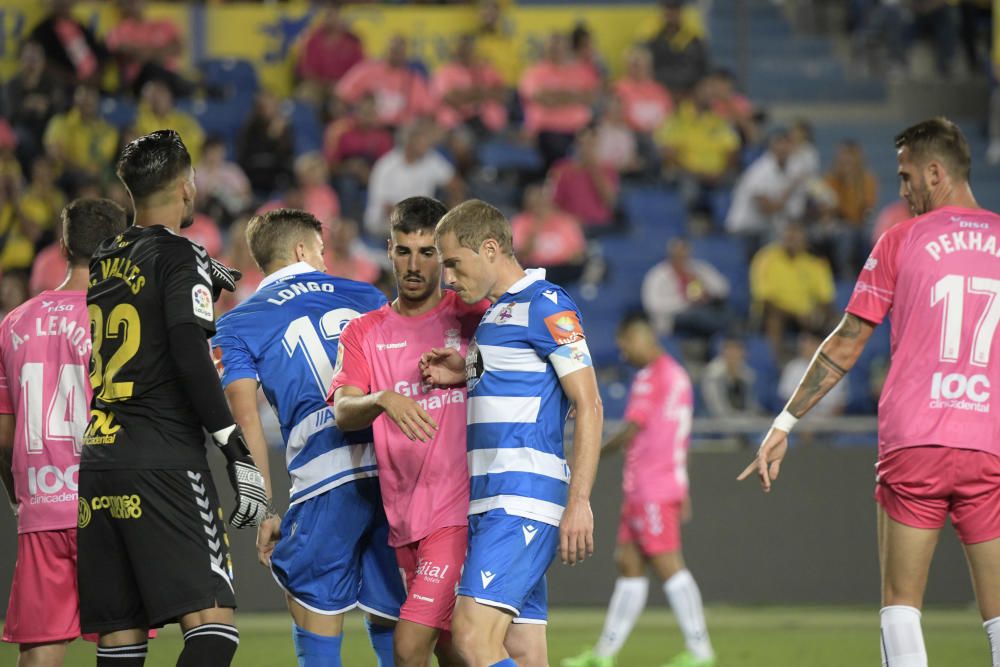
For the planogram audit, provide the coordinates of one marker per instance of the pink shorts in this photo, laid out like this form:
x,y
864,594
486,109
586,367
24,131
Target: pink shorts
x,y
432,568
44,603
921,486
654,526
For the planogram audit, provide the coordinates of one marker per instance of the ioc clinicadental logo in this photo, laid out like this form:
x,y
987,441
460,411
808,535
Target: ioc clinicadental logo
x,y
84,514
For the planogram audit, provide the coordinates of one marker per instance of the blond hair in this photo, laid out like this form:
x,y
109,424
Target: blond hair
x,y
273,235
473,222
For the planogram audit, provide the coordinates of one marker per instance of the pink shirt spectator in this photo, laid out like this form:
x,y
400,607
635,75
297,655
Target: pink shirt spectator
x,y
400,93
355,267
48,271
733,108
348,139
327,57
575,193
145,34
937,276
321,201
559,240
205,233
661,404
425,486
44,361
647,104
548,77
889,217
453,76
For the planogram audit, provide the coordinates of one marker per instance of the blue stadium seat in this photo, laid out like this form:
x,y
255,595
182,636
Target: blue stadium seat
x,y
503,155
729,256
844,290
657,213
218,118
306,128
118,112
233,75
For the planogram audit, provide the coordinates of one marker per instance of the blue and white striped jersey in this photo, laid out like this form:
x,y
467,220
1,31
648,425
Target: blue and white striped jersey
x,y
517,408
286,337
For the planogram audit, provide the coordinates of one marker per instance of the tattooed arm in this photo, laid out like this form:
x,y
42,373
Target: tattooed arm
x,y
833,359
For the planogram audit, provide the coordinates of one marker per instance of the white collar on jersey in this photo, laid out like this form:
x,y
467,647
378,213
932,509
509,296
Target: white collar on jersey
x,y
530,276
286,272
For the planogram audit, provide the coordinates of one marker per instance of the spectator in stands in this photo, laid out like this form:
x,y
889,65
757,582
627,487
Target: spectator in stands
x,y
585,188
48,270
617,145
30,98
557,93
685,295
882,26
768,196
401,94
803,160
938,20
792,289
329,51
41,203
344,253
469,91
317,196
680,56
495,42
728,383
547,237
411,169
834,402
733,106
856,189
993,149
646,102
156,111
265,147
581,46
11,175
700,148
82,144
205,232
890,216
18,248
351,145
238,255
71,50
13,291
146,48
224,191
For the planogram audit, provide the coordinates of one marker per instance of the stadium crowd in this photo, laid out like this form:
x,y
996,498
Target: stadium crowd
x,y
393,129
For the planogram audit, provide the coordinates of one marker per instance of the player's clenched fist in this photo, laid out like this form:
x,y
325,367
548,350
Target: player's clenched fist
x,y
407,414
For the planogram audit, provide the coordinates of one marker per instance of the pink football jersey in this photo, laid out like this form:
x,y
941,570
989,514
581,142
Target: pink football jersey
x,y
44,359
661,404
425,485
937,276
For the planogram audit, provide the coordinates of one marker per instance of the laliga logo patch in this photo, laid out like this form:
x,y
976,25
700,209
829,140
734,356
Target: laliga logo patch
x,y
564,327
201,302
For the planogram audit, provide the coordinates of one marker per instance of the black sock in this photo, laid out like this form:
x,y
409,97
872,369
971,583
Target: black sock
x,y
133,655
209,645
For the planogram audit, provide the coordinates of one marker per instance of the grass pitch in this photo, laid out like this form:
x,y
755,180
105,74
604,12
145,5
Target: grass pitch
x,y
743,637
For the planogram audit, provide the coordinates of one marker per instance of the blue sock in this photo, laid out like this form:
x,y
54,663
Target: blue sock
x,y
509,662
381,637
314,650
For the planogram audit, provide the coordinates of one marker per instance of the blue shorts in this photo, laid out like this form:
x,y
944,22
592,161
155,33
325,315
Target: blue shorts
x,y
334,553
506,564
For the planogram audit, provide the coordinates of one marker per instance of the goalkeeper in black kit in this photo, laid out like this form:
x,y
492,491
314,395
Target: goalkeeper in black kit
x,y
152,543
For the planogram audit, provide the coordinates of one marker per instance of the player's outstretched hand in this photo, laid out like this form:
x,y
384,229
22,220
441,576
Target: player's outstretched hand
x,y
407,414
268,533
767,464
223,278
442,367
251,498
576,532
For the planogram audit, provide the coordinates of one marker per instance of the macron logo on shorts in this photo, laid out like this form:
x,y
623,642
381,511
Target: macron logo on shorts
x,y
529,533
487,577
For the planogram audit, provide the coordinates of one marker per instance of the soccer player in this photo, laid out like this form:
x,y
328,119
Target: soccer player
x,y
152,545
526,366
330,552
937,277
655,436
420,441
44,354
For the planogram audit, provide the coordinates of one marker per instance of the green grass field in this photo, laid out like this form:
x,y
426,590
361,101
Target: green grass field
x,y
743,637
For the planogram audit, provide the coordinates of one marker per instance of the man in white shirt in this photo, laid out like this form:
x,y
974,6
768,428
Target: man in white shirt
x,y
684,294
409,170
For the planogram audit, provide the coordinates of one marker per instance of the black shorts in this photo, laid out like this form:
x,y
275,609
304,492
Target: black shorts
x,y
152,547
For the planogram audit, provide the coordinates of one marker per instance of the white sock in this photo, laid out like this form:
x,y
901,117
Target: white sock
x,y
627,602
992,627
685,599
902,638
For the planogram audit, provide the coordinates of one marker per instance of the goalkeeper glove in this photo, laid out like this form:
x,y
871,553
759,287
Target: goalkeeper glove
x,y
252,504
223,278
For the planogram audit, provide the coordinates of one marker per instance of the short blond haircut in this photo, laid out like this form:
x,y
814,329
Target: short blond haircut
x,y
473,222
273,235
